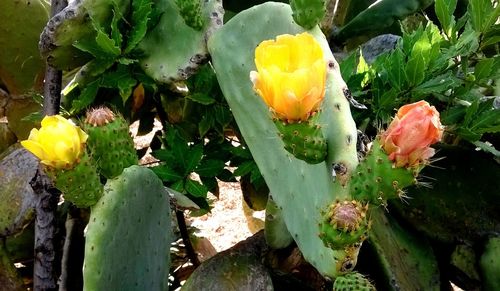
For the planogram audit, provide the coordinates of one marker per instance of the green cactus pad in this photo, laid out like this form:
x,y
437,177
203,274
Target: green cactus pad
x,y
173,50
110,144
353,282
277,235
129,234
345,223
79,185
301,190
304,140
308,13
490,264
21,22
376,180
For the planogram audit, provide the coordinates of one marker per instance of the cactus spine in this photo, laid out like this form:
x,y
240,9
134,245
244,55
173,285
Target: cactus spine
x,y
109,141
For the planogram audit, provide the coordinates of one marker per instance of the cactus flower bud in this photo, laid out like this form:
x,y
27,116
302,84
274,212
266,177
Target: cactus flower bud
x,y
291,75
59,143
408,139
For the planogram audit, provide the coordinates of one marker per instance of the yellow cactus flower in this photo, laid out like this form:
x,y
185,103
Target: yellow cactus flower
x,y
59,143
291,75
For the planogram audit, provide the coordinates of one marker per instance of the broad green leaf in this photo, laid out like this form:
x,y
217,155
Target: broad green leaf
x,y
479,11
201,98
438,84
245,168
90,46
210,168
164,155
444,11
363,67
348,66
484,69
191,159
394,64
122,79
206,123
195,188
115,30
179,187
106,44
165,173
141,10
415,69
223,115
86,97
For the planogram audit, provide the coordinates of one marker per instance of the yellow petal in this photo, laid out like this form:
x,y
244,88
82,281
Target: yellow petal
x,y
35,148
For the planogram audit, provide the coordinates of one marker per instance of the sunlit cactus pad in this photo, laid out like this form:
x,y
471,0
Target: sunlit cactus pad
x,y
128,235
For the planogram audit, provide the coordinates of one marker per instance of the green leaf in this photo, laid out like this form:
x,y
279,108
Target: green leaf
x,y
444,11
223,115
141,11
245,168
106,44
363,67
195,188
122,79
210,168
483,69
179,186
206,123
86,97
479,11
348,65
164,155
115,30
188,158
165,173
393,65
226,176
438,84
419,59
201,98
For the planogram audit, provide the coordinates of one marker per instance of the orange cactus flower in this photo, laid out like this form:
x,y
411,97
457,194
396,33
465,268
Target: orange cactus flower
x,y
290,76
59,143
409,136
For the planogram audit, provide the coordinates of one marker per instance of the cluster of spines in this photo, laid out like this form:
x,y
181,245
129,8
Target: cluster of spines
x,y
81,184
376,179
353,282
304,139
109,141
344,223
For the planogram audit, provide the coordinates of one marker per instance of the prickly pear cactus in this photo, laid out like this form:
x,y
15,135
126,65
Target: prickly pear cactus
x,y
353,282
376,179
308,13
128,236
173,50
80,184
109,141
301,190
21,67
191,12
277,235
490,264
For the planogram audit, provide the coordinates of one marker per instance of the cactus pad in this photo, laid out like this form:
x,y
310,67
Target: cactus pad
x,y
301,190
353,282
172,49
79,185
376,180
109,141
128,236
304,140
21,22
190,11
308,13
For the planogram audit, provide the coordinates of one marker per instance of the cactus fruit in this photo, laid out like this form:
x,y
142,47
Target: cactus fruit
x,y
304,139
308,13
80,184
129,234
298,188
190,11
173,50
345,224
353,282
376,180
21,67
109,141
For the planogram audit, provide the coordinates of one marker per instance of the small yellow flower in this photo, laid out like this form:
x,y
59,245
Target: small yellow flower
x,y
58,144
291,75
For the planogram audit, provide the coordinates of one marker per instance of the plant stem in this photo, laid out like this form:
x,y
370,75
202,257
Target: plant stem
x,y
191,253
